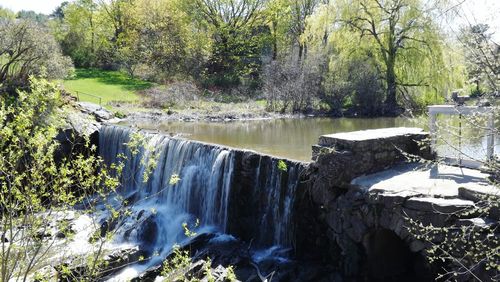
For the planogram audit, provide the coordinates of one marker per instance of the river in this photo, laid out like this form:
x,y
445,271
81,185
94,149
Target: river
x,y
293,138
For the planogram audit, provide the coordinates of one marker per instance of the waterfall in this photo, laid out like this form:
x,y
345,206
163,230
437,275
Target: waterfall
x,y
210,188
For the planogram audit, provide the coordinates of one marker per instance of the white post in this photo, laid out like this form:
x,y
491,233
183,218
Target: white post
x,y
464,110
433,130
490,137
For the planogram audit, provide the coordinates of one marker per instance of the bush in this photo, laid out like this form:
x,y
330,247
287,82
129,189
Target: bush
x,y
36,183
353,83
291,86
174,94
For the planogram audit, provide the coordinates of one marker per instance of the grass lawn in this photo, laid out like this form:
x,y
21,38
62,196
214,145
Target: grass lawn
x,y
111,86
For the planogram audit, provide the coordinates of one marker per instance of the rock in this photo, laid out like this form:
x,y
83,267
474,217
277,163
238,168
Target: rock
x,y
119,259
45,274
147,233
99,112
438,205
77,268
140,214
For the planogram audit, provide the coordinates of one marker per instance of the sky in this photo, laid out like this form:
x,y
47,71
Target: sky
x,y
487,11
39,6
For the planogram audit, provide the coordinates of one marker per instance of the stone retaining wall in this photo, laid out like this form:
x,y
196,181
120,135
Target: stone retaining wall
x,y
361,225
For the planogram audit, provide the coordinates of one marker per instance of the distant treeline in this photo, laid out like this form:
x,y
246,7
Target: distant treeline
x,y
363,56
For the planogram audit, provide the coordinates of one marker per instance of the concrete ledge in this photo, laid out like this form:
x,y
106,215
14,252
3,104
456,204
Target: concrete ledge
x,y
373,150
369,135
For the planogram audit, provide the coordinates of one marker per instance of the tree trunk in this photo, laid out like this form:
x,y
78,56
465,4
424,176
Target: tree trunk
x,y
390,98
275,42
301,50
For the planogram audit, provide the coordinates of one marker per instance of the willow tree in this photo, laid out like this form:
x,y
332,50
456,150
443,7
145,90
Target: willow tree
x,y
278,18
397,28
301,10
400,37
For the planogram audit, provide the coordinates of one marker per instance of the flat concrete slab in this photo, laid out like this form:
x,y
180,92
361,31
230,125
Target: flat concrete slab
x,y
371,134
430,180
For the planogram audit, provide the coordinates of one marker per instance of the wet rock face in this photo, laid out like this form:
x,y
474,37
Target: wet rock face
x,y
262,195
84,122
147,233
216,253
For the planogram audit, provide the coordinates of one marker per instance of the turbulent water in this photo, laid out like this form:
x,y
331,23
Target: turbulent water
x,y
226,190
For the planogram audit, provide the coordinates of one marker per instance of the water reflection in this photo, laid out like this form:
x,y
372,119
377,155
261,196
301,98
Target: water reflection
x,y
293,138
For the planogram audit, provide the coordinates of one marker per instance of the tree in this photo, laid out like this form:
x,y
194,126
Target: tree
x,y
403,33
28,49
482,56
290,85
353,84
6,13
81,34
235,27
33,16
287,22
278,16
301,10
58,12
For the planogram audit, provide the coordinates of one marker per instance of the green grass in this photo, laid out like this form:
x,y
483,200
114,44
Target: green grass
x,y
110,86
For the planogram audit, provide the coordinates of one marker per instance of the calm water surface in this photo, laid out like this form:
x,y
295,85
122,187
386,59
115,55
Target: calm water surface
x,y
293,138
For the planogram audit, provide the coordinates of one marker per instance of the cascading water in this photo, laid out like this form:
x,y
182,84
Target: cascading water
x,y
209,187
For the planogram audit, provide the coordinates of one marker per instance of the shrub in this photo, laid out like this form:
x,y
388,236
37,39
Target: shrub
x,y
354,84
290,85
36,183
174,94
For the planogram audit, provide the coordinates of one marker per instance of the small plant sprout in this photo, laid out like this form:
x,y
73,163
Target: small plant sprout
x,y
188,232
174,179
282,165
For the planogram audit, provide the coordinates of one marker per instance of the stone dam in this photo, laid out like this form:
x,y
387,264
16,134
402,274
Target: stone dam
x,y
344,216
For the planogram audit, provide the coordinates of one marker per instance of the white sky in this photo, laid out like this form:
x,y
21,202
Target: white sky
x,y
39,6
483,11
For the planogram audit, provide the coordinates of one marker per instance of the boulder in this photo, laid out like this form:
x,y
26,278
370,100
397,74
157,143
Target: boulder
x,y
438,205
147,234
99,112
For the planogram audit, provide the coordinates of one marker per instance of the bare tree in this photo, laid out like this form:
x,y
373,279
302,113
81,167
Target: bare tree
x,y
28,49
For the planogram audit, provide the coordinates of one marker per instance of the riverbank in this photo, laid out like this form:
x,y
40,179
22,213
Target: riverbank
x,y
140,100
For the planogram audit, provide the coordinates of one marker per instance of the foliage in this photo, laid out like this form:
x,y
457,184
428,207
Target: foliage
x,y
175,268
398,38
353,83
236,40
282,165
80,32
174,179
26,49
244,47
37,182
482,56
291,85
